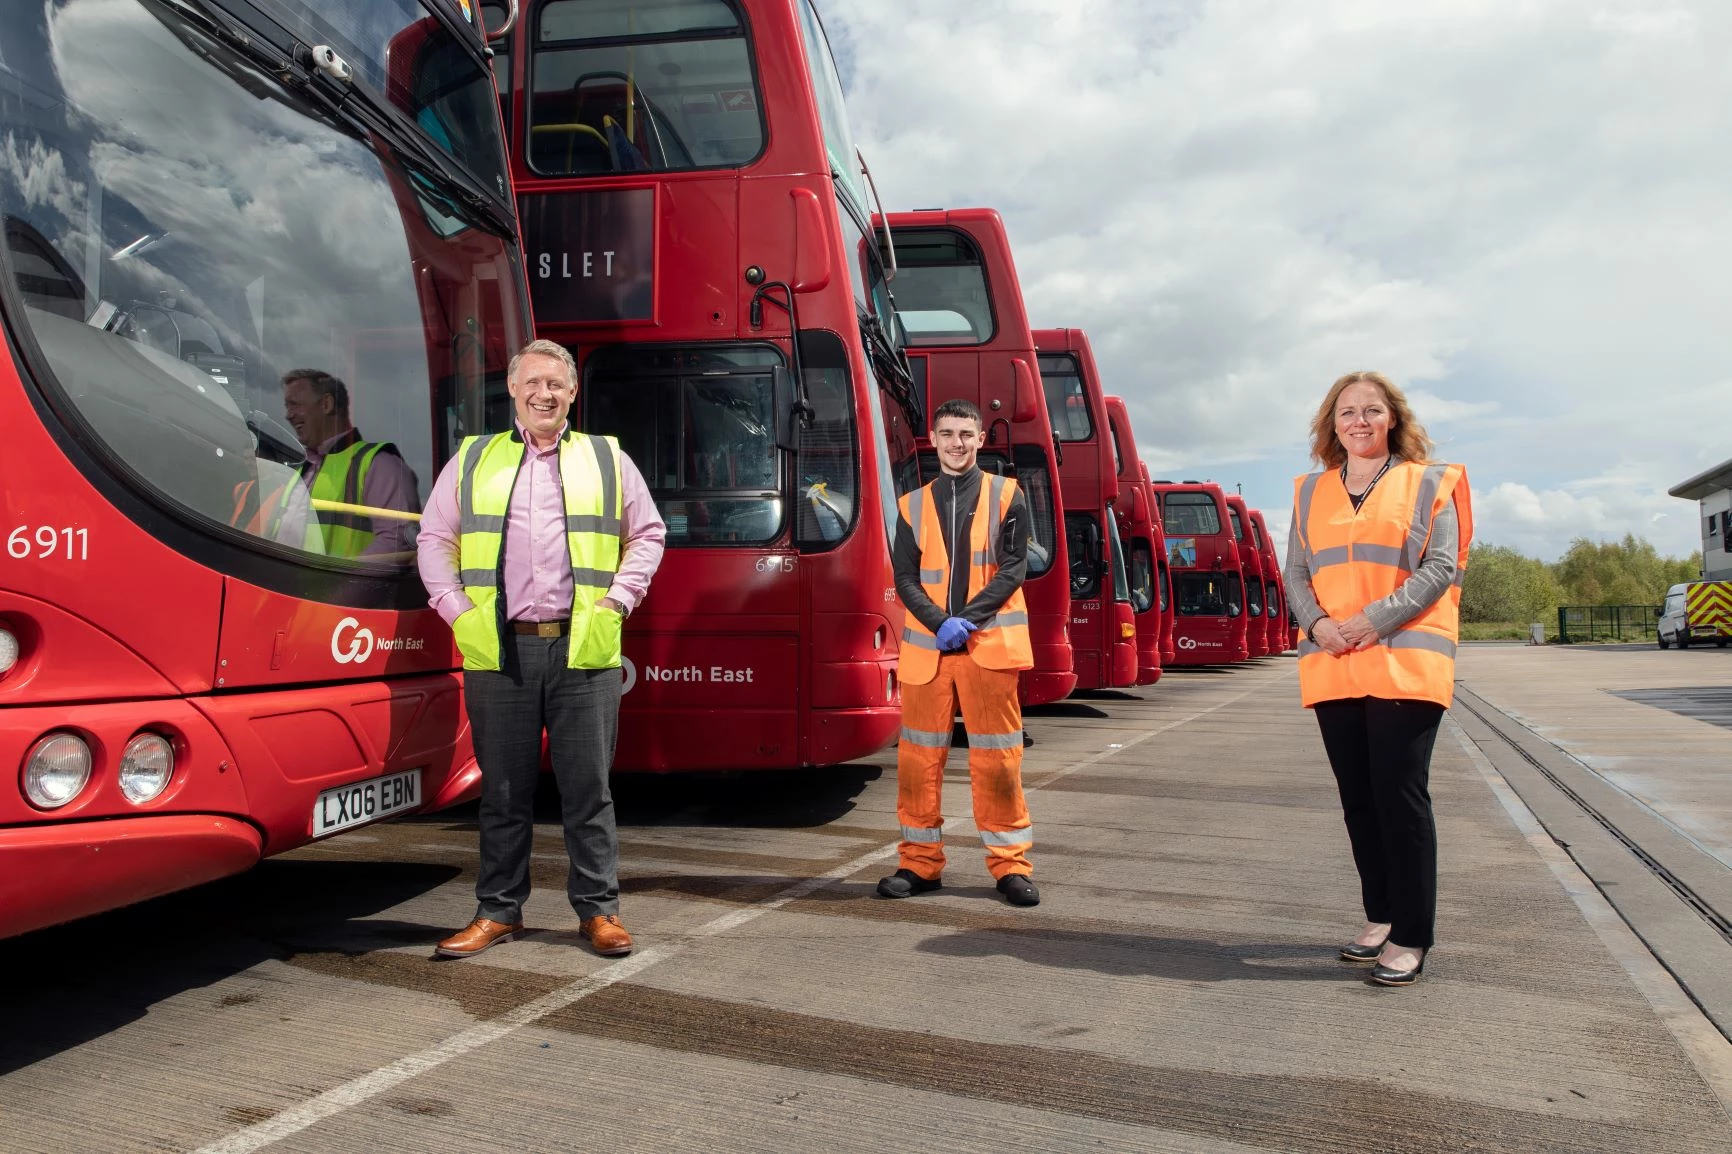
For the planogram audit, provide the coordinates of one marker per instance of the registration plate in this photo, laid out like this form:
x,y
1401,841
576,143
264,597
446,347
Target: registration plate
x,y
365,801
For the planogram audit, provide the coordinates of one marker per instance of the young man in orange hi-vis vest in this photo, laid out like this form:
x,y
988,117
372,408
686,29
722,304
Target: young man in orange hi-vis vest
x,y
960,556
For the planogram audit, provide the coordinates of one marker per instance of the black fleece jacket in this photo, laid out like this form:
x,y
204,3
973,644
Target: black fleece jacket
x,y
956,498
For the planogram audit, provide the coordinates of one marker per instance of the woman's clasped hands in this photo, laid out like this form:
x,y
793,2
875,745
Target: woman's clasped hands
x,y
1349,636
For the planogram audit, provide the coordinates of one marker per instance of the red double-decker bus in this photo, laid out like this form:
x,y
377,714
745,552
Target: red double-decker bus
x,y
1208,587
1274,588
1163,570
213,642
959,298
698,229
1250,575
1103,632
1140,532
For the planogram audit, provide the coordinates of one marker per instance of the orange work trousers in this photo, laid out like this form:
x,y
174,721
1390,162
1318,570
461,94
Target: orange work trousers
x,y
993,718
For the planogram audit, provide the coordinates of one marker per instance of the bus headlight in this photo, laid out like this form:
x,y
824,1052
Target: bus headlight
x,y
8,649
145,767
56,769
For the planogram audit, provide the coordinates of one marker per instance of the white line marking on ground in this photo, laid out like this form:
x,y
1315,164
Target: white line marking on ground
x,y
1707,1048
370,1085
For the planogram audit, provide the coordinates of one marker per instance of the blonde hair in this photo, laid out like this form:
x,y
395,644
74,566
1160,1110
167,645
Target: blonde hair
x,y
544,348
1407,438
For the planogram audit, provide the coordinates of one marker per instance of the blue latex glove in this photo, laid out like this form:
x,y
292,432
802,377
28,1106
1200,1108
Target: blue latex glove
x,y
953,634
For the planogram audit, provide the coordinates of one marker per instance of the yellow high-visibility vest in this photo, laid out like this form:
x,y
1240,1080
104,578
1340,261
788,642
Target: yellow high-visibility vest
x,y
589,473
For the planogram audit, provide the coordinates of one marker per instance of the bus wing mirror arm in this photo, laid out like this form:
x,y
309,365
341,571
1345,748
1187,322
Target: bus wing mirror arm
x,y
793,411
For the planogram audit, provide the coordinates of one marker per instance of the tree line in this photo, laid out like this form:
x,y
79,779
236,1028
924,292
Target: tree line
x,y
1503,584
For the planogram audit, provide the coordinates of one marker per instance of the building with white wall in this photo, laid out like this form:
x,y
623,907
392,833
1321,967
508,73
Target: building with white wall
x,y
1712,492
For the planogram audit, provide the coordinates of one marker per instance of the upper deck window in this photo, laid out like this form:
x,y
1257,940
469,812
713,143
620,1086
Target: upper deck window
x,y
641,85
941,288
1066,403
1238,525
1191,514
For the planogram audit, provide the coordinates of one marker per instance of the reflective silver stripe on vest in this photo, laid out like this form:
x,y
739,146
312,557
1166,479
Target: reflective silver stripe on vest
x,y
1419,532
610,496
914,833
1419,639
468,521
1323,558
590,523
1382,555
1004,619
1009,837
1307,487
931,576
926,738
979,556
1307,648
480,578
995,740
592,578
919,640
1460,576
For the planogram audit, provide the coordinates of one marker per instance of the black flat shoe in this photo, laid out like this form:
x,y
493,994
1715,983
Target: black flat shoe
x,y
1384,976
905,884
1018,890
1360,955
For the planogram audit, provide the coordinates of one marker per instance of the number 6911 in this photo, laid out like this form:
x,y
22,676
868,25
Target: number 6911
x,y
44,541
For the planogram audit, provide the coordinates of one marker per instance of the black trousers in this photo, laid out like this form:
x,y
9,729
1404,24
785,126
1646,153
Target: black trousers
x,y
1380,751
508,712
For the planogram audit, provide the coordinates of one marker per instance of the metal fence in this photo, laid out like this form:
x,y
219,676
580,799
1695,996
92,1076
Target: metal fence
x,y
1606,623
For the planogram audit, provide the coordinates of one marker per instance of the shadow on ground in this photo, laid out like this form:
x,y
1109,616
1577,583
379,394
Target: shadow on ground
x,y
93,976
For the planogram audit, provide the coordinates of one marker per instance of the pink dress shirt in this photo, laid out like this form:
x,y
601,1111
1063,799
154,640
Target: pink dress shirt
x,y
537,559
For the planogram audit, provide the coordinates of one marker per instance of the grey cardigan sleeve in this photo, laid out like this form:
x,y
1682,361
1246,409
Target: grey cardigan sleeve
x,y
1301,602
1436,573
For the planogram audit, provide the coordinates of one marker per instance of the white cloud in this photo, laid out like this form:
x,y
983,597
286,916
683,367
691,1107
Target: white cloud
x,y
1514,207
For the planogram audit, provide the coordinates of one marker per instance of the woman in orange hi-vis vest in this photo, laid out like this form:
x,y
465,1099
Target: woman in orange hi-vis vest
x,y
1375,559
960,556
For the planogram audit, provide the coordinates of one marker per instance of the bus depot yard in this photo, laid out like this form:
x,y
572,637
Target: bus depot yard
x,y
1176,990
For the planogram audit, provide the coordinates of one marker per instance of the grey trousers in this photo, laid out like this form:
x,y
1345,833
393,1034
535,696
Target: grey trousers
x,y
508,711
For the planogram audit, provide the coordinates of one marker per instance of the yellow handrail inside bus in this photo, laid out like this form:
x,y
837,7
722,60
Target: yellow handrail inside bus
x,y
323,506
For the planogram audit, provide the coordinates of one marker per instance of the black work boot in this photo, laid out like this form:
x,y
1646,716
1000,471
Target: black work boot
x,y
1018,890
905,884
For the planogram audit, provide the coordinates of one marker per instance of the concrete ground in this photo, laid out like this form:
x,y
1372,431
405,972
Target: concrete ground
x,y
1177,989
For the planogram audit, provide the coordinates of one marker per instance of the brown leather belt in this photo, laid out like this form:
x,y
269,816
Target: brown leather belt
x,y
543,628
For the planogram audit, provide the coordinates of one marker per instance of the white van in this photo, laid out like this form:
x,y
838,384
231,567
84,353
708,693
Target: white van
x,y
1697,611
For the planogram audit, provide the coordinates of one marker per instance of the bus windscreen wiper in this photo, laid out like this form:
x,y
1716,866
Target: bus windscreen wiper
x,y
330,87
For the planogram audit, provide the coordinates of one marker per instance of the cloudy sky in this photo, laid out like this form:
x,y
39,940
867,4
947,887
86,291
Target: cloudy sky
x,y
1521,210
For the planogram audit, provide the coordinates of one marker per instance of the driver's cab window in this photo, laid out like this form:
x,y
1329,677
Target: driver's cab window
x,y
653,85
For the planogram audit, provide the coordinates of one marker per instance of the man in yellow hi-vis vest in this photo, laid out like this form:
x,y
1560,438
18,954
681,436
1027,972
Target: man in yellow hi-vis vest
x,y
360,483
536,545
960,557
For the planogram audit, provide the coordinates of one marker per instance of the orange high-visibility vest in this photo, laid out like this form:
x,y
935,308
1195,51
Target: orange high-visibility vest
x,y
1357,557
1003,642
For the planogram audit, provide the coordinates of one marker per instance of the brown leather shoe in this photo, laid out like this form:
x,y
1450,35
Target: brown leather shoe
x,y
475,937
606,935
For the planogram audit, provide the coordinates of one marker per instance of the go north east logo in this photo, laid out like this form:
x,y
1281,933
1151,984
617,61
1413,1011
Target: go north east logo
x,y
350,642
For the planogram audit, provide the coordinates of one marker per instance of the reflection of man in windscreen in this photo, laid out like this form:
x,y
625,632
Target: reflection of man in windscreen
x,y
356,498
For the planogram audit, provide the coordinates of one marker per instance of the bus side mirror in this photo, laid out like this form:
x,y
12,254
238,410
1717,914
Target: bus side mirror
x,y
811,242
1659,611
786,403
1023,408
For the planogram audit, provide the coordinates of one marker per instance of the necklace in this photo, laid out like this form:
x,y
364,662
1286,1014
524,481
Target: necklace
x,y
1370,482
1351,476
